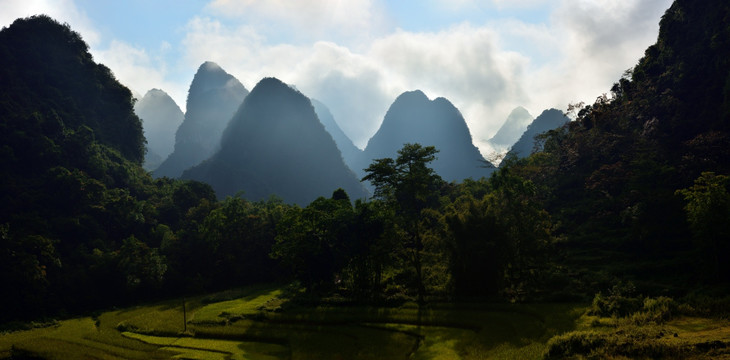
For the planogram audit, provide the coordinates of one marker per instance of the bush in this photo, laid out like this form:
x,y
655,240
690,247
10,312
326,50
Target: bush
x,y
619,302
659,310
634,342
573,343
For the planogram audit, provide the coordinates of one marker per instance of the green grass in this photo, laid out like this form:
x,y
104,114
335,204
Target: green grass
x,y
189,347
258,323
249,304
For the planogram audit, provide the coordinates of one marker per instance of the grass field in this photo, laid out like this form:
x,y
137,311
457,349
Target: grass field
x,y
260,323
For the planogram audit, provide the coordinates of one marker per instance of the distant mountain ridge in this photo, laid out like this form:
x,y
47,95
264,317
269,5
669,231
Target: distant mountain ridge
x,y
161,117
548,120
511,130
276,145
413,118
213,98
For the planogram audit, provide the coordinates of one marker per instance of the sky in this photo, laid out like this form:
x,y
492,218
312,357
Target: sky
x,y
356,56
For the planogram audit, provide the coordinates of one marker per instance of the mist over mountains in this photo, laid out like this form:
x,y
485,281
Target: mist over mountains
x,y
214,97
276,145
511,130
247,156
161,118
350,153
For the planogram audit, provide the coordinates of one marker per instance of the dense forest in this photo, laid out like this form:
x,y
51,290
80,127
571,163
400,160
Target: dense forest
x,y
635,190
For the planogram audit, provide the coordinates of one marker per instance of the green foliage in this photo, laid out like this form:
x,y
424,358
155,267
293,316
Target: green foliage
x,y
410,187
48,72
240,235
610,176
313,242
620,301
499,241
708,212
141,265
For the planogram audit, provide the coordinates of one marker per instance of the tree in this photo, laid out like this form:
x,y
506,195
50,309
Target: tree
x,y
410,186
499,239
142,266
370,251
240,235
708,212
313,242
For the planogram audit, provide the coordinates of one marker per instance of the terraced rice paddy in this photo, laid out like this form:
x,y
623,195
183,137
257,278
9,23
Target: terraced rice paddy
x,y
260,323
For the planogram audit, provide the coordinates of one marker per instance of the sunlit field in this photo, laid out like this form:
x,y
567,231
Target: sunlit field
x,y
263,322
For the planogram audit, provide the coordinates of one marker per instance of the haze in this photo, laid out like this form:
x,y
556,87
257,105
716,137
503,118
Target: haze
x,y
486,57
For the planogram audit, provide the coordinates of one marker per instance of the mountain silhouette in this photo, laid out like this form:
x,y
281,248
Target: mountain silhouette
x,y
512,129
549,120
276,145
413,118
48,73
350,153
213,98
160,119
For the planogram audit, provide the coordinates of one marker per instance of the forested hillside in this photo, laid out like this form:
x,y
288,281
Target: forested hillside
x,y
614,177
82,224
633,196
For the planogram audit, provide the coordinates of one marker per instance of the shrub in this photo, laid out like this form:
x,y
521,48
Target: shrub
x,y
634,342
619,302
573,343
660,309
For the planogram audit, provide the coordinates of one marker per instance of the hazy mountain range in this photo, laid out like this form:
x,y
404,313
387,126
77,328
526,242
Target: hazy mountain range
x,y
276,145
160,119
264,140
213,98
350,153
511,129
527,144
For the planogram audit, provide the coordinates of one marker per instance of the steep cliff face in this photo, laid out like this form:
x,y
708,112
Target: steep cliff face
x,y
213,98
413,118
276,145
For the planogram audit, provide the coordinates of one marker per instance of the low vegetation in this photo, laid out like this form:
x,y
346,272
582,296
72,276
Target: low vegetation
x,y
270,323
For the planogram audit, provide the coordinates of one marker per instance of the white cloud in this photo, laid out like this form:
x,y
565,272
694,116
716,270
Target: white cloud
x,y
352,85
518,4
139,71
575,56
314,20
463,64
64,11
598,42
